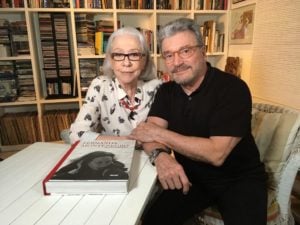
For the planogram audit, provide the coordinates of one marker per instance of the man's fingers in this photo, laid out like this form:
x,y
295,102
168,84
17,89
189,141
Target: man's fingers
x,y
185,184
164,184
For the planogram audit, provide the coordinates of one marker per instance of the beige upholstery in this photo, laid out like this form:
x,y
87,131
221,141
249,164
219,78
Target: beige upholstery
x,y
277,133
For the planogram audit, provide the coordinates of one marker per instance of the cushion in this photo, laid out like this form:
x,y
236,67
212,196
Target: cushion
x,y
273,133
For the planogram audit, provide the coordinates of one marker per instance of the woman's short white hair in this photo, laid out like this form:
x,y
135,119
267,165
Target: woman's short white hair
x,y
149,71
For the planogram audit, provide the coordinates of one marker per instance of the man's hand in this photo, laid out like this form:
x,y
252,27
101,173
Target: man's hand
x,y
145,132
171,174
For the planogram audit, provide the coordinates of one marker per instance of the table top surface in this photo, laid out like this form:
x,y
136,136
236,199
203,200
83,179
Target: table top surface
x,y
22,200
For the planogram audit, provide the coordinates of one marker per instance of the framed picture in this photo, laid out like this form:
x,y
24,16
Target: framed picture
x,y
242,25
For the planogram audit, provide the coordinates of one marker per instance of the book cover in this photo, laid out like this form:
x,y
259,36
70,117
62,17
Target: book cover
x,y
92,167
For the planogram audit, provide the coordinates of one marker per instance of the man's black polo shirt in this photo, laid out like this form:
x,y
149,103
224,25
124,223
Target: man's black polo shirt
x,y
221,106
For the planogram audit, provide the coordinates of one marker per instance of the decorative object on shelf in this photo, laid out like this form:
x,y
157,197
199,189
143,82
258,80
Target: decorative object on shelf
x,y
237,1
233,66
242,25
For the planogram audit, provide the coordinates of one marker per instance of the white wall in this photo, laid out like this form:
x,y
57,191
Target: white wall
x,y
271,64
245,54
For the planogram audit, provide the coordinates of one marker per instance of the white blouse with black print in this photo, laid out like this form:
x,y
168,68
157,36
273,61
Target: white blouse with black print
x,y
106,105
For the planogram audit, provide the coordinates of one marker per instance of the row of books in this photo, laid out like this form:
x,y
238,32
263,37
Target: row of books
x,y
17,82
99,4
92,35
135,4
122,4
48,3
20,128
23,128
11,3
13,38
212,37
96,4
54,121
104,28
186,4
211,4
8,82
26,89
174,4
56,54
89,69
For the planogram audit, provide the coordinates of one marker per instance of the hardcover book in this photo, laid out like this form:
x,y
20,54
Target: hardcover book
x,y
92,167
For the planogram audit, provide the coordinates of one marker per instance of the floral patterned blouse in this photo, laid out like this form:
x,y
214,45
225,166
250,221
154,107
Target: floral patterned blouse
x,y
107,110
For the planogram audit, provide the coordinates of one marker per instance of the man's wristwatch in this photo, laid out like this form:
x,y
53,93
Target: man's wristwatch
x,y
153,155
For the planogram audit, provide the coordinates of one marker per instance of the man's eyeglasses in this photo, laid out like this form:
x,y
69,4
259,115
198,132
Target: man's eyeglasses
x,y
134,56
183,53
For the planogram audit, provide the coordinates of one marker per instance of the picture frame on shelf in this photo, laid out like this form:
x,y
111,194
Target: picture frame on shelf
x,y
242,25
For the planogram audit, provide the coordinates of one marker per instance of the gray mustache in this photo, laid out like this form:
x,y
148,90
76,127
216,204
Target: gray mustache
x,y
180,68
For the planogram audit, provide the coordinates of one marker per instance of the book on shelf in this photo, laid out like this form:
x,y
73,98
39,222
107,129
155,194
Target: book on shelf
x,y
92,167
97,4
19,38
212,37
89,69
173,4
148,34
5,38
54,121
104,28
8,82
210,31
85,34
11,3
20,128
26,90
56,55
49,4
99,43
212,4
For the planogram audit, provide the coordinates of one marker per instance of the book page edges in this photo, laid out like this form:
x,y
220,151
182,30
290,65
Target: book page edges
x,y
55,168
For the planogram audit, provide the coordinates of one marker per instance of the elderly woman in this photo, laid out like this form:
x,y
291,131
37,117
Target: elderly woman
x,y
116,102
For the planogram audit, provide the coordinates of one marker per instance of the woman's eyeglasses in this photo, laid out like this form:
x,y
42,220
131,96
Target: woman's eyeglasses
x,y
183,53
135,56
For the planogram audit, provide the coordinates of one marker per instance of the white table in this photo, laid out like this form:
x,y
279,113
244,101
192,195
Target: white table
x,y
22,200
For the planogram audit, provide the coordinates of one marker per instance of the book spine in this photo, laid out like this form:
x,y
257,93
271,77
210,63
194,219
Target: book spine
x,y
60,162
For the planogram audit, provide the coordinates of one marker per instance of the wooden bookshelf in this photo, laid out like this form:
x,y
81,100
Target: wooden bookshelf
x,y
148,17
